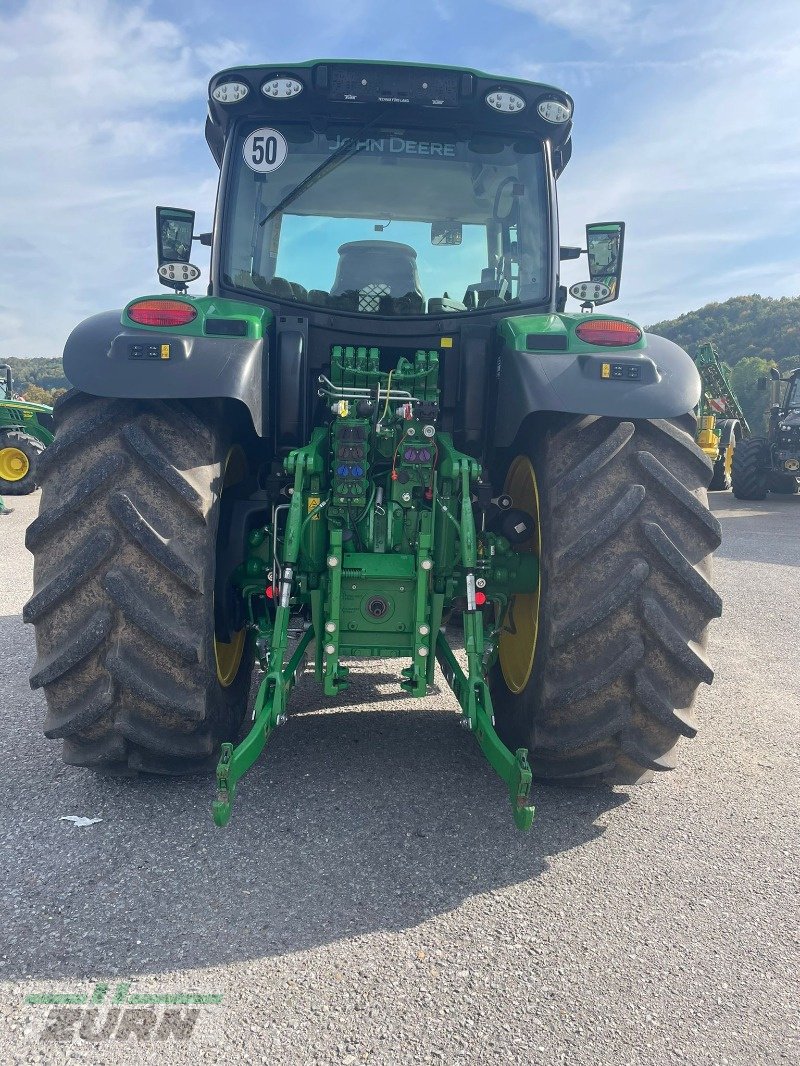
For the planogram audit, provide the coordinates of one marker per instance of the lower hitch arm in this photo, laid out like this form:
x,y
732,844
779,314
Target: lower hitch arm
x,y
268,713
473,695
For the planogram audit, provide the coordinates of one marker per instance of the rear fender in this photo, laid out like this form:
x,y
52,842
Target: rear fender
x,y
101,357
662,382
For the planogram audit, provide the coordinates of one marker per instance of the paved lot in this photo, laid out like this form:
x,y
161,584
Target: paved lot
x,y
371,901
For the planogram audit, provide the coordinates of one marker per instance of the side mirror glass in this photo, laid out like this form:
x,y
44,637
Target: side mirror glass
x,y
446,233
174,235
604,244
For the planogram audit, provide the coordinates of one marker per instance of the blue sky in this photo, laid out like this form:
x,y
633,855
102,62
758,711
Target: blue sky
x,y
685,126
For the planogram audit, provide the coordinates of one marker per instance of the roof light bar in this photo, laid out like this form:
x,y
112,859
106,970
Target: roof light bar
x,y
230,92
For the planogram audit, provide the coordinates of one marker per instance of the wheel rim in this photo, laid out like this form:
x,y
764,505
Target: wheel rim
x,y
14,464
228,656
729,459
518,638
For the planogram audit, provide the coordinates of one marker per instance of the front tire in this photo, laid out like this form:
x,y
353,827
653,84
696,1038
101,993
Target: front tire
x,y
19,458
750,476
784,484
624,601
125,556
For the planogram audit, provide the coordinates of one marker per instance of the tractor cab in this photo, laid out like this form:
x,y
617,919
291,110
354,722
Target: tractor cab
x,y
387,190
793,392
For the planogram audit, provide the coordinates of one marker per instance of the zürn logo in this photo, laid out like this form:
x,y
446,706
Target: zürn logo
x,y
103,1014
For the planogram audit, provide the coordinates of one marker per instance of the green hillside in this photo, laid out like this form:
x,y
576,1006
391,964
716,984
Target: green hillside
x,y
37,374
742,327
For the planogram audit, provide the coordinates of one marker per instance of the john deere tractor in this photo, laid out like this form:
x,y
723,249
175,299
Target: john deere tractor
x,y
772,464
363,445
25,431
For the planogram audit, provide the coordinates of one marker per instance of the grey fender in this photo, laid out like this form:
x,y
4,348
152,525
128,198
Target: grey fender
x,y
730,429
668,385
98,360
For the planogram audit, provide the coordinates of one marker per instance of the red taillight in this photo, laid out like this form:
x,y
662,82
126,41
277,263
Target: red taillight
x,y
161,313
480,598
609,332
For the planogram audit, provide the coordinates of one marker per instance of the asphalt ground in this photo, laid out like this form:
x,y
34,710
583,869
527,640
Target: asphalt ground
x,y
371,900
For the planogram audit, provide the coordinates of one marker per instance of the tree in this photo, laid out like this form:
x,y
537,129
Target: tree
x,y
36,394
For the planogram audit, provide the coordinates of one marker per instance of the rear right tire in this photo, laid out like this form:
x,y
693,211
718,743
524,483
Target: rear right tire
x,y
616,650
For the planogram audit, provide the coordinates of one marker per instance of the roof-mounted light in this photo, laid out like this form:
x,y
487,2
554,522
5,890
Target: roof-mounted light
x,y
504,101
555,111
281,88
230,92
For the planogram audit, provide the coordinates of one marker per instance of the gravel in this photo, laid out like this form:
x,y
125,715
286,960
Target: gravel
x,y
371,900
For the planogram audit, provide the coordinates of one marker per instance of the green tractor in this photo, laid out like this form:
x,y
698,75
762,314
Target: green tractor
x,y
365,446
26,429
772,464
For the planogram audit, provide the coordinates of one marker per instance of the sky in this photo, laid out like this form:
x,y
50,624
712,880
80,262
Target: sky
x,y
685,127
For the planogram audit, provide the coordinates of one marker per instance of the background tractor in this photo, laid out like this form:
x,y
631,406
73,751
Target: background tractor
x,y
772,463
357,437
25,431
721,423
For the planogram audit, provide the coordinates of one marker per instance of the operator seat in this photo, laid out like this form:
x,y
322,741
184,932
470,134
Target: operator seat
x,y
379,277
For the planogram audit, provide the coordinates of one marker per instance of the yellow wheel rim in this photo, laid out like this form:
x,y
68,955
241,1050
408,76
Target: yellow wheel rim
x,y
518,638
229,656
14,464
729,458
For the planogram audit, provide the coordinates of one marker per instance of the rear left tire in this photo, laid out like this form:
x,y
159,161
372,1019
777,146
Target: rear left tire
x,y
123,602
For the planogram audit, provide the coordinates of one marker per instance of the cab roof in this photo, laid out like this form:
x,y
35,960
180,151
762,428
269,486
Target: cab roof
x,y
365,90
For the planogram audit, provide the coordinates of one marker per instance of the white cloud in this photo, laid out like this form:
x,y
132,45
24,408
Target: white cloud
x,y
617,23
95,138
707,175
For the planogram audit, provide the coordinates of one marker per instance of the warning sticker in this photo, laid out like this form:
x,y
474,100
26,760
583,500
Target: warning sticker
x,y
265,150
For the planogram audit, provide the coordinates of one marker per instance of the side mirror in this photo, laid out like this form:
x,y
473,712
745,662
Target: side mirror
x,y
446,233
761,384
604,244
174,235
774,373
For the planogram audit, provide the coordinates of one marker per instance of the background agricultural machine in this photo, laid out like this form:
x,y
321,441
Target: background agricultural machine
x,y
721,423
772,463
25,431
352,440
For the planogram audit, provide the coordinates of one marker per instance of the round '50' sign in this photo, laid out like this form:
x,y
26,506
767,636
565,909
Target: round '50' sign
x,y
265,150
